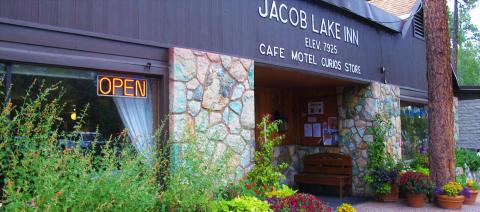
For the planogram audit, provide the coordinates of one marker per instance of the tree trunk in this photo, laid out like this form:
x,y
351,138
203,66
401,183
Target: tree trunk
x,y
440,93
455,36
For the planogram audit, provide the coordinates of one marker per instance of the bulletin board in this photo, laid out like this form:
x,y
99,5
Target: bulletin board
x,y
319,122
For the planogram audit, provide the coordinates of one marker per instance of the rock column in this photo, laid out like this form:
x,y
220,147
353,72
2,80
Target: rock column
x,y
357,107
211,96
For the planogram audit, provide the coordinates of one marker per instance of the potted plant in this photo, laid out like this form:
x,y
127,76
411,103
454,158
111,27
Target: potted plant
x,y
415,185
473,187
382,169
384,183
345,207
451,195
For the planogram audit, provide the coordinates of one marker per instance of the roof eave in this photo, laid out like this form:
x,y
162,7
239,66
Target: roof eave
x,y
370,12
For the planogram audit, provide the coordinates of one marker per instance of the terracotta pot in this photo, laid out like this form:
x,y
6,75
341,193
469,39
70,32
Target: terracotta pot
x,y
391,197
447,202
472,199
415,200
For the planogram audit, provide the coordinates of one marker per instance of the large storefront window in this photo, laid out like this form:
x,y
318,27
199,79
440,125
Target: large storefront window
x,y
105,118
414,131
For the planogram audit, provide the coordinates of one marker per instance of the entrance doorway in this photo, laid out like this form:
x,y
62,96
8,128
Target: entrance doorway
x,y
306,105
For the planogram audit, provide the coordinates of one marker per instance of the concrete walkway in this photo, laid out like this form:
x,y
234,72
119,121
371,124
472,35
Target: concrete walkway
x,y
401,206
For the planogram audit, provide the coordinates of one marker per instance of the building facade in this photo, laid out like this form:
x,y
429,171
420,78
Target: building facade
x,y
214,68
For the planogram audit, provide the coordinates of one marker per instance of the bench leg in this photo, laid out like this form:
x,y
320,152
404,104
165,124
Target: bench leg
x,y
341,189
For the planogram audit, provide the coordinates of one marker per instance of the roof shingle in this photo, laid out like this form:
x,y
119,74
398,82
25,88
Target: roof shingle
x,y
400,8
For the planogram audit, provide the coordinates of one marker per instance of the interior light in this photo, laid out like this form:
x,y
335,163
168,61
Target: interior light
x,y
73,115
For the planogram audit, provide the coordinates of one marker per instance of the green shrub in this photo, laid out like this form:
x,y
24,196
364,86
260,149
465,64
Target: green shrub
x,y
40,176
196,178
264,173
420,160
243,203
282,192
467,159
382,170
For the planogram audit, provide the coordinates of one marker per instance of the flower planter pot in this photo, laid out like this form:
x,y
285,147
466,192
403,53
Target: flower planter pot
x,y
391,197
472,199
415,200
447,202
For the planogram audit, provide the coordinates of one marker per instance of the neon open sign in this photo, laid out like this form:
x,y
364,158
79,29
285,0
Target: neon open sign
x,y
121,86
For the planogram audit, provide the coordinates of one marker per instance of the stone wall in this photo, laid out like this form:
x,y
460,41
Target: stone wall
x,y
212,97
357,107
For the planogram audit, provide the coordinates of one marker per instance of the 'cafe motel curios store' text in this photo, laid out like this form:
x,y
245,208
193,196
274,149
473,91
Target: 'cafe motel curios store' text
x,y
324,67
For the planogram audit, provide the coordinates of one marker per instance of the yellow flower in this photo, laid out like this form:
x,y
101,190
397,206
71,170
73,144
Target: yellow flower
x,y
470,182
345,207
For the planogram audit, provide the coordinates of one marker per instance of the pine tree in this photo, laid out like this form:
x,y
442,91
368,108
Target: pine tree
x,y
440,92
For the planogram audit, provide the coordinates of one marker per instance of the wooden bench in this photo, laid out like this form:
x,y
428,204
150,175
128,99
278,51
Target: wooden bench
x,y
328,169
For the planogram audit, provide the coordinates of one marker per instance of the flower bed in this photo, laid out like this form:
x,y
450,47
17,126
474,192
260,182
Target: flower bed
x,y
299,202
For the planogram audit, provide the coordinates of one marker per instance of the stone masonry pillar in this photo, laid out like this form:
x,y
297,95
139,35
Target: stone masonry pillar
x,y
211,96
357,107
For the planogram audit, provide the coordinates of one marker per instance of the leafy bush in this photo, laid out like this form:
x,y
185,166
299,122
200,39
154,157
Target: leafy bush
x,y
467,159
420,160
256,190
468,182
425,171
415,183
472,184
40,176
264,172
282,192
195,178
381,170
298,202
382,179
243,203
345,207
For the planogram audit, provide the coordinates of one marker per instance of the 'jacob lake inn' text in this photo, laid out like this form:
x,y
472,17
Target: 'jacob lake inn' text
x,y
299,18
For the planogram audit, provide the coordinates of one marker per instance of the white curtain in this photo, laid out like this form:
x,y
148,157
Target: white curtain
x,y
137,117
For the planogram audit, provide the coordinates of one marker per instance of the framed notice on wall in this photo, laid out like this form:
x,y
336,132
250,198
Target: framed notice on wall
x,y
332,123
307,130
315,108
317,130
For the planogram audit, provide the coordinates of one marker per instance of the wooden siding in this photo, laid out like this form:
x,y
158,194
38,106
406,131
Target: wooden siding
x,y
230,27
291,103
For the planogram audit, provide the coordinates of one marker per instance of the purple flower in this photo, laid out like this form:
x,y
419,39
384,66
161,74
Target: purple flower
x,y
273,200
439,191
465,192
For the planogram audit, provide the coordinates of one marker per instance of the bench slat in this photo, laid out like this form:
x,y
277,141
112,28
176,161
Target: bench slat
x,y
328,161
327,170
320,179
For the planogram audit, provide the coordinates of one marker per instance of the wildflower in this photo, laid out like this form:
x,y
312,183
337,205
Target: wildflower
x,y
58,194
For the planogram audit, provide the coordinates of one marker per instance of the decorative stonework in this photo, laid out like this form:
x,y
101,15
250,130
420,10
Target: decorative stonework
x,y
293,156
212,97
357,107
